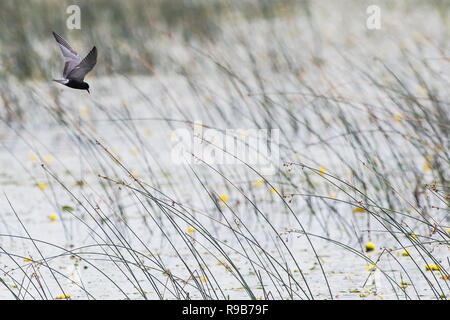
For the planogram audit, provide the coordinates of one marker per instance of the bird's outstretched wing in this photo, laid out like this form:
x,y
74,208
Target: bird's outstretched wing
x,y
71,57
79,72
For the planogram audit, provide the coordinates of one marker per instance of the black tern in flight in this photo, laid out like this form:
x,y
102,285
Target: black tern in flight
x,y
75,68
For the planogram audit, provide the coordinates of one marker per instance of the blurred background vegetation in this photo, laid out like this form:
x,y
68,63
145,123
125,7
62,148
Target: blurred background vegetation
x,y
366,111
124,30
26,28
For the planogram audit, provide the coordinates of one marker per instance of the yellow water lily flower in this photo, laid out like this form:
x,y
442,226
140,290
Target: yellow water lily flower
x,y
432,267
134,174
33,158
405,253
63,296
258,183
134,151
207,96
398,117
359,210
42,185
52,217
224,197
427,165
371,267
370,246
190,230
84,112
420,91
404,284
322,170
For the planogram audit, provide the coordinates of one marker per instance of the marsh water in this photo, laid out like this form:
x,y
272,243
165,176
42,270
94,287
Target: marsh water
x,y
93,204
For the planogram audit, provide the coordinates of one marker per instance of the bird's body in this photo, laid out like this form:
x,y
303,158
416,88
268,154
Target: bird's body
x,y
73,84
75,68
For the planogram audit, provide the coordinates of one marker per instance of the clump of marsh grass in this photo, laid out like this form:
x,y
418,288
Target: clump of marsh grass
x,y
357,207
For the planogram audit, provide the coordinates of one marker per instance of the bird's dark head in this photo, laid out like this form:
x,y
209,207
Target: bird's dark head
x,y
85,86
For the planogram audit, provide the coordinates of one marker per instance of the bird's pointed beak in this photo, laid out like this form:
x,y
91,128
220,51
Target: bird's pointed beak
x,y
88,91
